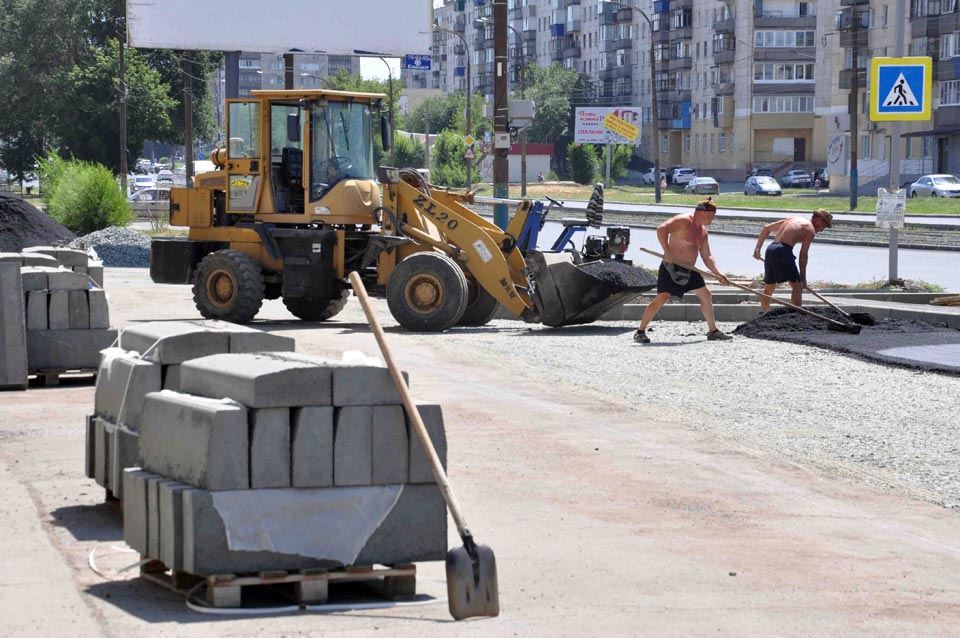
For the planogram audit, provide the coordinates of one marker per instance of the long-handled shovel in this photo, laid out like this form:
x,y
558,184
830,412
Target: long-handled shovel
x,y
836,326
471,569
863,318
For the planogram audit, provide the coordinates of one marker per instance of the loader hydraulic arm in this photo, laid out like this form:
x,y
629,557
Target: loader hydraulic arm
x,y
489,255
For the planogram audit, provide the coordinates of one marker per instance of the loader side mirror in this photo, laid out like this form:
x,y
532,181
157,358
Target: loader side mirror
x,y
386,133
293,126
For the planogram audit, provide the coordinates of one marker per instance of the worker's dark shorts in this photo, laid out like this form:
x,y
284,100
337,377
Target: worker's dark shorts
x,y
680,282
779,264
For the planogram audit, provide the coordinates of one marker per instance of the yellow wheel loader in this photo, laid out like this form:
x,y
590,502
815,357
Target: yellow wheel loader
x,y
295,206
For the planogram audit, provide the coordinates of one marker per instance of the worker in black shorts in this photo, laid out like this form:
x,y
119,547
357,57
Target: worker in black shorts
x,y
684,238
780,264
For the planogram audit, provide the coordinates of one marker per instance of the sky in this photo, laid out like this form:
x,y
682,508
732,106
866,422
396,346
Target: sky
x,y
375,69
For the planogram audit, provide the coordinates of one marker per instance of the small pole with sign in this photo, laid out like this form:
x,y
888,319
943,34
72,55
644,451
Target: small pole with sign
x,y
606,183
891,210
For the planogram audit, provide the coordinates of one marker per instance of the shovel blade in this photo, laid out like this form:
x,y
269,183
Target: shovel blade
x,y
472,592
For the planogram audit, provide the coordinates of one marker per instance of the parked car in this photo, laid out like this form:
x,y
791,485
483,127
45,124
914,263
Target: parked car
x,y
797,179
702,186
936,186
683,175
148,201
761,172
822,175
648,175
762,185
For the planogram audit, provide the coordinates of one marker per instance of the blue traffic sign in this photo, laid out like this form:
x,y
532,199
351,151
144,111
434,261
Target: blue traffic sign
x,y
900,88
419,62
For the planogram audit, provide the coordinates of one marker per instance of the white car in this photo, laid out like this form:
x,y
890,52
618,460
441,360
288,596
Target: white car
x,y
648,175
936,186
797,179
165,176
761,185
139,182
683,175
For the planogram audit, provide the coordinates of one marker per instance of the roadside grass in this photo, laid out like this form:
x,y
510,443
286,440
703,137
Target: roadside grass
x,y
793,199
909,285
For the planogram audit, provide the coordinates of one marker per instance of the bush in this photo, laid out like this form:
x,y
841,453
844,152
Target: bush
x,y
619,160
446,157
85,197
583,163
410,153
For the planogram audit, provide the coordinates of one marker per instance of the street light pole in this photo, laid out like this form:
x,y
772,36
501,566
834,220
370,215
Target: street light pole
x,y
466,48
393,149
654,114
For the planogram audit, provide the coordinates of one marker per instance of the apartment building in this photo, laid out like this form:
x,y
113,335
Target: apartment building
x,y
740,84
265,70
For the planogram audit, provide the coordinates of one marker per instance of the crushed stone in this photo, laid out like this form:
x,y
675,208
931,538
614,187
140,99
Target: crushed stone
x,y
117,247
23,225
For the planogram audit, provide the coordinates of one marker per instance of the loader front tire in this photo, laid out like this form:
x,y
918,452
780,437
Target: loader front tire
x,y
427,292
228,286
312,309
481,306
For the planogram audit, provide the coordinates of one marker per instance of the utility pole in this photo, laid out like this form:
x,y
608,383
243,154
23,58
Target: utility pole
x,y
187,117
855,110
124,169
501,132
896,144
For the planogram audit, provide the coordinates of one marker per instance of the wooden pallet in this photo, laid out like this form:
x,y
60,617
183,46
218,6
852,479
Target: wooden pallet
x,y
303,587
51,378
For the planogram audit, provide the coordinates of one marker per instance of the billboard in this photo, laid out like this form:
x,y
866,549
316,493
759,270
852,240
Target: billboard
x,y
329,26
591,125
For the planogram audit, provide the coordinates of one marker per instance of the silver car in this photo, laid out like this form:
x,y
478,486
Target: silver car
x,y
936,186
149,202
761,185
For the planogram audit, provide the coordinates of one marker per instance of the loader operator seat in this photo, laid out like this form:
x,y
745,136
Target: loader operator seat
x,y
291,177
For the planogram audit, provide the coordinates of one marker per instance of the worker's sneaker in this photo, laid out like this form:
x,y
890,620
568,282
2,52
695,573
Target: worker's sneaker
x,y
716,335
640,336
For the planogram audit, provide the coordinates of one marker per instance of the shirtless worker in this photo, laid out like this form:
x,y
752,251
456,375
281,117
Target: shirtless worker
x,y
682,237
779,261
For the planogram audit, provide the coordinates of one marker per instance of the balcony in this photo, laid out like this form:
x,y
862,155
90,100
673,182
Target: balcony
x,y
681,94
664,123
846,78
784,88
616,73
615,45
558,30
571,52
516,13
725,26
459,71
948,69
681,33
459,49
530,35
556,55
681,4
851,38
724,57
606,15
530,11
663,35
680,64
724,120
458,5
479,3
725,88
780,22
797,54
682,123
460,25
623,15
851,3
573,26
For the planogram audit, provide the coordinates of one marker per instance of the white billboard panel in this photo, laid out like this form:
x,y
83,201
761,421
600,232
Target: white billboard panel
x,y
330,26
588,125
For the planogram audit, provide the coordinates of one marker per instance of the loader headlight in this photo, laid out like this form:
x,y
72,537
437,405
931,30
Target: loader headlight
x,y
388,175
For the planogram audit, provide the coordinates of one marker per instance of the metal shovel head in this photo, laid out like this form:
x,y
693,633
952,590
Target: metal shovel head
x,y
569,294
472,588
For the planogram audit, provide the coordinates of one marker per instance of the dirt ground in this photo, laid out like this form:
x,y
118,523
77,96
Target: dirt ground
x,y
604,520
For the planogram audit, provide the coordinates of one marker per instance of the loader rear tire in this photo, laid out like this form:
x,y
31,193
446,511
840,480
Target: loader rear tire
x,y
228,285
427,292
313,309
481,306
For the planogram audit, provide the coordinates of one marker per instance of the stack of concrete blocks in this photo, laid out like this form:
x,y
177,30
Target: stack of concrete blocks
x,y
13,337
281,427
148,359
65,309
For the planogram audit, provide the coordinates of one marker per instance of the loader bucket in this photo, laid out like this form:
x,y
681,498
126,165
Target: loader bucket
x,y
568,294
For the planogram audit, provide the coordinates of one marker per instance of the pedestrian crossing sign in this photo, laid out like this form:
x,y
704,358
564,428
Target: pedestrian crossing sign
x,y
901,89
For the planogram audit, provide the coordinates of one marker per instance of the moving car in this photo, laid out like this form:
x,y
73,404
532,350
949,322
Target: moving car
x,y
761,185
936,186
703,186
139,182
165,176
683,175
797,179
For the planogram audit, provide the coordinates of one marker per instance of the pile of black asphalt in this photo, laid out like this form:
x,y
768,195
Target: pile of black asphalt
x,y
23,225
620,274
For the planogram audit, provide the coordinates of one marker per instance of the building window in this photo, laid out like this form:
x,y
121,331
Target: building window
x,y
778,72
723,142
949,93
249,64
686,143
783,39
697,144
865,147
950,45
711,143
783,104
948,6
885,14
664,144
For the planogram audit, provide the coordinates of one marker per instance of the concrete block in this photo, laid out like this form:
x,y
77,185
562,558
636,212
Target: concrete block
x,y
67,280
99,309
153,515
249,340
171,523
35,277
269,448
124,453
67,349
103,432
79,310
43,250
171,377
90,456
95,272
311,433
13,346
72,258
198,441
124,381
352,443
414,530
58,312
135,515
15,258
172,342
37,301
420,468
364,385
259,380
390,454
80,269
37,259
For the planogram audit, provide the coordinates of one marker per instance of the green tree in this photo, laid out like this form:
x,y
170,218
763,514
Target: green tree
x,y
552,89
619,160
86,197
583,162
410,152
446,157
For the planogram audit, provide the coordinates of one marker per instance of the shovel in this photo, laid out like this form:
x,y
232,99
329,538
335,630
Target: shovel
x,y
471,569
863,318
836,326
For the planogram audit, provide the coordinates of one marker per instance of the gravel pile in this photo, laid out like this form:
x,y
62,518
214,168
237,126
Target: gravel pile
x,y
23,225
117,247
